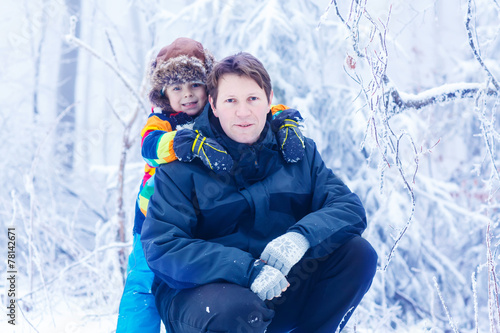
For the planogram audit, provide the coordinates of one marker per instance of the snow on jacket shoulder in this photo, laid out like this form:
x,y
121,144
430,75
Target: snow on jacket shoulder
x,y
202,227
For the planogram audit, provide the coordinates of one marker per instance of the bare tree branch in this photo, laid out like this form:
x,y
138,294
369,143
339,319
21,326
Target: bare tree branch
x,y
70,38
475,49
127,143
417,307
325,14
410,191
474,292
398,101
354,17
30,187
84,202
450,319
83,260
488,132
493,292
126,140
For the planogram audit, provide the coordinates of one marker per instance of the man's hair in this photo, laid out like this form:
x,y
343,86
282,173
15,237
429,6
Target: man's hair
x,y
242,64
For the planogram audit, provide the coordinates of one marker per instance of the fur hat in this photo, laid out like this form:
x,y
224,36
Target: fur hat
x,y
185,60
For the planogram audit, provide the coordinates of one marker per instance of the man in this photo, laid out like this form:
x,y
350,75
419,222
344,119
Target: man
x,y
270,244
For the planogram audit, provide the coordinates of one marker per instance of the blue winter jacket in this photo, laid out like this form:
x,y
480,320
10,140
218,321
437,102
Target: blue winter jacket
x,y
203,227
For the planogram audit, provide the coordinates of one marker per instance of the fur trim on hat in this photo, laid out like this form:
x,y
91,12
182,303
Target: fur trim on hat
x,y
178,70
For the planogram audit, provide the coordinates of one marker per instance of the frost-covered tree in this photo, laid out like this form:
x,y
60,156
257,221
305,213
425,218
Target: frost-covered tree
x,y
444,242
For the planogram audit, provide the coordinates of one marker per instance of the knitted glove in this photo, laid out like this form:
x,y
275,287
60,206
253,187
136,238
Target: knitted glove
x,y
285,251
286,126
269,283
189,144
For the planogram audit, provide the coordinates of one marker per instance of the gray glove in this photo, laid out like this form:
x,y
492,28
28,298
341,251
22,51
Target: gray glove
x,y
269,283
285,251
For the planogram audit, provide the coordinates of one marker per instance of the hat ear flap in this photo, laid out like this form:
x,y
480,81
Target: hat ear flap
x,y
158,100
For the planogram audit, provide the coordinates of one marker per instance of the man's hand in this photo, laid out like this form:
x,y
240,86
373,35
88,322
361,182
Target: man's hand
x,y
189,144
290,139
270,283
285,251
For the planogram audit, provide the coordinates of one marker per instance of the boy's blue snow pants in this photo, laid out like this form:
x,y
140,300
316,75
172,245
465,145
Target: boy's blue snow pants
x,y
322,296
138,311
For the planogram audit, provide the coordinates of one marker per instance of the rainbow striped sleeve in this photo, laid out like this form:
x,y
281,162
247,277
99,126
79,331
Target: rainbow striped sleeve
x,y
277,109
158,140
145,194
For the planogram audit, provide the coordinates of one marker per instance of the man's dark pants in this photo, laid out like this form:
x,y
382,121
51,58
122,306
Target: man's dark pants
x,y
322,295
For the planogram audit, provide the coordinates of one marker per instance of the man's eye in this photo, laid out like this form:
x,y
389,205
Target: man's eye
x,y
253,98
230,100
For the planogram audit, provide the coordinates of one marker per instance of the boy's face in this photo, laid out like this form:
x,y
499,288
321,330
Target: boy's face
x,y
242,108
189,98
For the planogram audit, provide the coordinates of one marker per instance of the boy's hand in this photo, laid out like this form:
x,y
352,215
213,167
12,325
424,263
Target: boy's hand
x,y
189,144
285,251
269,283
290,139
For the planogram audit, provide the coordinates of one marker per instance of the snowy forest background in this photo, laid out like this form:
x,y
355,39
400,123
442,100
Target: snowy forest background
x,y
401,96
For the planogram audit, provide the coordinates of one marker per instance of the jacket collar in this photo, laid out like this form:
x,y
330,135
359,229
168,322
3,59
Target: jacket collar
x,y
252,163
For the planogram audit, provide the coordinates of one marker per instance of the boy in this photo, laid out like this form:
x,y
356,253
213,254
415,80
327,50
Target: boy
x,y
178,79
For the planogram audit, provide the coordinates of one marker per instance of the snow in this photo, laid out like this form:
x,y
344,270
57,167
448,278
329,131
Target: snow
x,y
443,90
67,252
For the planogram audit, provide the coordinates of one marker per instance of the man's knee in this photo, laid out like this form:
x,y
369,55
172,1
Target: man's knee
x,y
362,258
221,308
242,316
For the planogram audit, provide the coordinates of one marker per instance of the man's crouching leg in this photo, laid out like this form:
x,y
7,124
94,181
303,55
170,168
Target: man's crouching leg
x,y
324,292
217,307
346,275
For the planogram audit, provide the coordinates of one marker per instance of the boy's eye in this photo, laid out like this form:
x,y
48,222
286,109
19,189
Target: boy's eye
x,y
176,88
230,100
196,85
253,98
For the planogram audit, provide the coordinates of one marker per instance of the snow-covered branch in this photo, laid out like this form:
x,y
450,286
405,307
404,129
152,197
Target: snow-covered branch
x,y
450,319
398,102
475,50
120,209
352,23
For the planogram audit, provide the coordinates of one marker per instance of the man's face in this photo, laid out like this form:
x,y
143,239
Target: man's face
x,y
187,97
242,108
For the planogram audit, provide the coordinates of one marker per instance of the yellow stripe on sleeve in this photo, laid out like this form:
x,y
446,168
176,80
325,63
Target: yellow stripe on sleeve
x,y
165,148
154,123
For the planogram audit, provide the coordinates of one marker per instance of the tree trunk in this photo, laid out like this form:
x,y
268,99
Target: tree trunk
x,y
66,94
